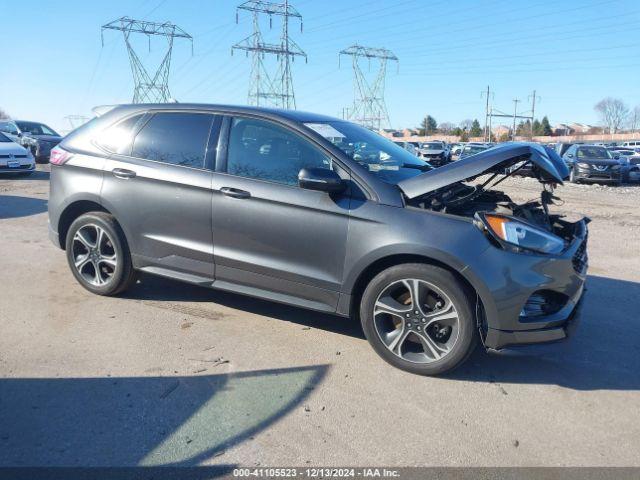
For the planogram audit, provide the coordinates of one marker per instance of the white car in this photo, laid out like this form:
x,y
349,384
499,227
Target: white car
x,y
15,158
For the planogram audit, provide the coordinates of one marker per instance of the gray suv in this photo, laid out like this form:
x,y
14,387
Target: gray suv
x,y
320,213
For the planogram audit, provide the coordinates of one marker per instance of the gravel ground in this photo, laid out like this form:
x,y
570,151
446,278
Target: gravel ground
x,y
175,374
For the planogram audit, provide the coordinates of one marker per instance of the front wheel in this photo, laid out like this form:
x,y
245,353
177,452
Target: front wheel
x,y
98,254
419,318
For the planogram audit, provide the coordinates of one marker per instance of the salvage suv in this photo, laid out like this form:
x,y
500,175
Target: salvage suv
x,y
274,204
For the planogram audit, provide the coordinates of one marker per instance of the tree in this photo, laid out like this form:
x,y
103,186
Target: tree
x,y
464,136
428,126
4,115
613,113
466,124
447,128
537,127
475,130
545,127
523,129
634,119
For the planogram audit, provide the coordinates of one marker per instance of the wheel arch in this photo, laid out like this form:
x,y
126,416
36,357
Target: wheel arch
x,y
470,282
73,211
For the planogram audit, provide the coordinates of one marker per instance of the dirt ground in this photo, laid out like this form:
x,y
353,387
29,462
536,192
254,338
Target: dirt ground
x,y
175,374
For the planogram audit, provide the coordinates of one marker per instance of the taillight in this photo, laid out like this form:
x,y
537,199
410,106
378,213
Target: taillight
x,y
59,156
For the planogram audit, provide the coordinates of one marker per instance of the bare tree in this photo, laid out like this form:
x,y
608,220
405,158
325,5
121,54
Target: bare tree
x,y
613,113
4,115
446,127
634,119
466,124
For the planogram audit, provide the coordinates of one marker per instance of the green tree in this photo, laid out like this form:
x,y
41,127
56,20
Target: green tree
x,y
429,126
546,127
464,136
537,127
476,130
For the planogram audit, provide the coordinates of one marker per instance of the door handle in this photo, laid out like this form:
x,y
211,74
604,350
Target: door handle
x,y
234,192
123,173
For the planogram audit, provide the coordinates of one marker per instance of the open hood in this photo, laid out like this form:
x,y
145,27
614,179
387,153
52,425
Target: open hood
x,y
549,167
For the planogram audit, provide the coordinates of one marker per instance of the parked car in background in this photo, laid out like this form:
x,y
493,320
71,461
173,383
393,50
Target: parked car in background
x,y
472,149
592,163
275,204
34,136
631,163
436,153
632,144
408,146
561,147
456,150
15,158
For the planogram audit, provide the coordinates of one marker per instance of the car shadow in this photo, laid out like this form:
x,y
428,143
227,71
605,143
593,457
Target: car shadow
x,y
14,206
143,421
151,287
602,354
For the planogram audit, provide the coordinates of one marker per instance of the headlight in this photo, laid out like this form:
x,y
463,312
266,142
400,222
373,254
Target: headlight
x,y
522,235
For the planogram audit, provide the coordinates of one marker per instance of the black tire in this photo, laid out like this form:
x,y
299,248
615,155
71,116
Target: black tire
x,y
123,275
447,283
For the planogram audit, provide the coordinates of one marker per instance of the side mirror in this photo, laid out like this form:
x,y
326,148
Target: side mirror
x,y
321,179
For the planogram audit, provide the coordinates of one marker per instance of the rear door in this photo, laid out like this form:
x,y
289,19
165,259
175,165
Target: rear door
x,y
271,237
158,185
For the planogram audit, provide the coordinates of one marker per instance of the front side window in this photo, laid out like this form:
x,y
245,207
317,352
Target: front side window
x,y
35,128
379,155
4,138
174,138
265,151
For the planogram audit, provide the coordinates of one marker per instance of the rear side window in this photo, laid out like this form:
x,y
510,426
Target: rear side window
x,y
174,138
117,138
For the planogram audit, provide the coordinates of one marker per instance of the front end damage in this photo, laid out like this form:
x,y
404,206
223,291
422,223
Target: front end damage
x,y
536,268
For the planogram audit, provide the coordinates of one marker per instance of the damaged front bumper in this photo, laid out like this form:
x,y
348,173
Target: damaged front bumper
x,y
532,298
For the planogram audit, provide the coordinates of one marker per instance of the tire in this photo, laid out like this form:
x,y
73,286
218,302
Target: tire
x,y
572,176
412,352
106,269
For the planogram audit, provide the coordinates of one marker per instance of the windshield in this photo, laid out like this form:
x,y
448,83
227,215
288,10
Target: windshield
x,y
593,152
380,156
433,145
35,128
471,149
4,138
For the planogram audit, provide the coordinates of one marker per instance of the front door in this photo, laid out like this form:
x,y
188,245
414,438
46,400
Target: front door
x,y
269,234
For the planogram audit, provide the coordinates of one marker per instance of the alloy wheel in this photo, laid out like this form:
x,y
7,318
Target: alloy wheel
x,y
94,255
416,321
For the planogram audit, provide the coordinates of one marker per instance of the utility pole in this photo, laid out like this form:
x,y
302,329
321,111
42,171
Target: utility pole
x,y
148,88
369,108
515,114
487,135
533,110
276,89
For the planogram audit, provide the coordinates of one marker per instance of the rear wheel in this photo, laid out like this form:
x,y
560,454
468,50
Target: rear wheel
x,y
419,318
98,254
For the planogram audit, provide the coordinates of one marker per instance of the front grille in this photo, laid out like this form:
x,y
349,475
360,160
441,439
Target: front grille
x,y
580,259
14,156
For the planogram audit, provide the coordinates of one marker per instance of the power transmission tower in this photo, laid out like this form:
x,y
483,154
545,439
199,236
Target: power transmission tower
x,y
369,108
265,89
487,123
515,115
533,97
148,88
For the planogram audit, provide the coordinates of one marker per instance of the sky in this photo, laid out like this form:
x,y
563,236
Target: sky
x,y
572,53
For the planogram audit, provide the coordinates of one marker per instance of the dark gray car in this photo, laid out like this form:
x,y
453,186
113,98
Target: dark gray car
x,y
320,213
